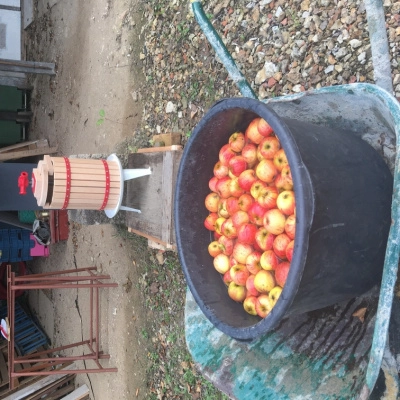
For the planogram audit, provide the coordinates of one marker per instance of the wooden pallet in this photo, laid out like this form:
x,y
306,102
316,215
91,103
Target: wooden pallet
x,y
153,195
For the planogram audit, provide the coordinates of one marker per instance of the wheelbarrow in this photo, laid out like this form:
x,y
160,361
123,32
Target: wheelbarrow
x,y
327,354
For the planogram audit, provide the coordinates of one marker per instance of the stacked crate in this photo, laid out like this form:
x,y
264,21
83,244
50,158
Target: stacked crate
x,y
15,245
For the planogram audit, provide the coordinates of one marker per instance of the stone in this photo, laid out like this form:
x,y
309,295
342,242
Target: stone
x,y
355,43
329,69
170,108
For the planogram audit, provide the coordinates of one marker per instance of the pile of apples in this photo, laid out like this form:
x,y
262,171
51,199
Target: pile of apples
x,y
252,212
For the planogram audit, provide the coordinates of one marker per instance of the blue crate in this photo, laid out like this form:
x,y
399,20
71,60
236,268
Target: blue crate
x,y
16,245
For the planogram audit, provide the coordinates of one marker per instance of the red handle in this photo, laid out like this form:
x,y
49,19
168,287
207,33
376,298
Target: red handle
x,y
23,182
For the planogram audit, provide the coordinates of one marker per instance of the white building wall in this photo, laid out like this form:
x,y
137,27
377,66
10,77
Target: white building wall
x,y
10,33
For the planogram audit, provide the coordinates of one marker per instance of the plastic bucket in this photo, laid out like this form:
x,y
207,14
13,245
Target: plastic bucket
x,y
343,192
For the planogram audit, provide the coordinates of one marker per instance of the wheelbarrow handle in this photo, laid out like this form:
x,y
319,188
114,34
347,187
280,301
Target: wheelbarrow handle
x,y
221,50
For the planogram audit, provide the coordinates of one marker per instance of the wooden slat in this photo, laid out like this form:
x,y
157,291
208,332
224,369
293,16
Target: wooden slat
x,y
174,147
59,161
84,167
84,189
78,394
77,179
88,197
27,153
33,144
79,183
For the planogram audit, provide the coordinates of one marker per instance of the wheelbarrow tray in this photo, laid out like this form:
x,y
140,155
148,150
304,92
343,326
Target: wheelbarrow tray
x,y
325,354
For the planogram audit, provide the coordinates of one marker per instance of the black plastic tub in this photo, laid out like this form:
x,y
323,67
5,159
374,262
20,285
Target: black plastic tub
x,y
343,192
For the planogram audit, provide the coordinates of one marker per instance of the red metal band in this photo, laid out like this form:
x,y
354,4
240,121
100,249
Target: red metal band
x,y
107,191
68,184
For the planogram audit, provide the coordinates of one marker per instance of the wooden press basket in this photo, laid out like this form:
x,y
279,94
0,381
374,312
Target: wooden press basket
x,y
76,183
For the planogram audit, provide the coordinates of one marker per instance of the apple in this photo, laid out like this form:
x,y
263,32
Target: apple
x,y
263,305
210,221
281,273
280,159
232,261
237,141
264,281
239,218
225,154
246,233
245,201
235,188
282,183
290,226
267,197
211,202
287,175
266,171
228,229
252,132
226,245
218,224
264,128
251,290
221,263
264,239
216,235
280,244
256,188
214,248
220,170
274,221
212,184
223,208
239,274
236,292
256,213
249,305
259,155
286,202
237,165
274,294
246,179
253,262
269,146
268,260
249,152
289,250
227,277
241,251
232,205
223,187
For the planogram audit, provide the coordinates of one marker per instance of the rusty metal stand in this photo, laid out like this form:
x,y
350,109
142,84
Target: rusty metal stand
x,y
57,280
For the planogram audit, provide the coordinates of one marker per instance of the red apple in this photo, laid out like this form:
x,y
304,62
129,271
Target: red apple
x,y
256,188
223,208
280,160
235,188
237,141
280,244
220,170
269,146
216,235
221,263
286,202
251,290
290,226
210,221
282,183
236,292
256,213
264,128
227,278
259,155
266,171
214,248
264,281
218,224
264,239
247,178
226,245
268,260
237,165
232,205
241,251
246,233
274,221
253,262
228,229
239,218
225,154
223,187
249,152
267,197
239,274
263,305
252,132
249,305
274,294
281,273
289,251
245,201
212,184
232,260
287,175
211,202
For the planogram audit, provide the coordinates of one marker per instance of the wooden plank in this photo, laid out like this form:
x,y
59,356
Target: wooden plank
x,y
160,149
79,183
78,394
52,388
3,370
27,153
167,190
80,178
84,189
28,145
32,67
